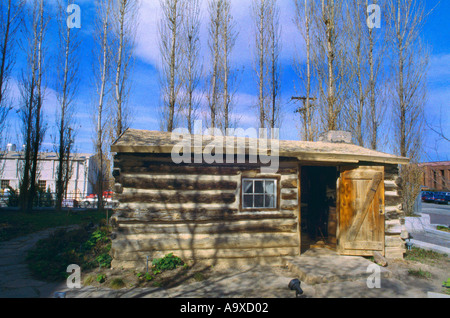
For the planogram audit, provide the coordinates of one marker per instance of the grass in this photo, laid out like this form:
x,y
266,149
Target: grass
x,y
88,248
419,273
424,256
117,283
14,223
443,228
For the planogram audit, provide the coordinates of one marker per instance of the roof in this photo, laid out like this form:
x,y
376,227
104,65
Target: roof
x,y
145,141
45,156
434,164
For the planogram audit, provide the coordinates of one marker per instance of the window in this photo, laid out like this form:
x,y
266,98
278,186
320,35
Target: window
x,y
259,193
42,184
5,184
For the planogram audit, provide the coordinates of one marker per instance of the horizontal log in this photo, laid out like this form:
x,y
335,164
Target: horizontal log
x,y
192,206
390,185
159,242
198,216
289,204
394,252
272,225
393,227
167,168
290,183
170,196
392,199
204,254
176,182
289,196
393,213
394,241
123,159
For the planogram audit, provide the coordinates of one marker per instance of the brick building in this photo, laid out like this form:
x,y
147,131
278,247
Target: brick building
x,y
436,175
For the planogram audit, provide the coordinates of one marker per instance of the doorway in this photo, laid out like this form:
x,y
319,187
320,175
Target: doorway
x,y
318,223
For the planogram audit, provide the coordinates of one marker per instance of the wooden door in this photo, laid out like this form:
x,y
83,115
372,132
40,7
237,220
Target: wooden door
x,y
361,211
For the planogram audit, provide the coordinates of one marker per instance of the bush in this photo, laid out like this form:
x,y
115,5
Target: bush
x,y
13,198
49,259
168,262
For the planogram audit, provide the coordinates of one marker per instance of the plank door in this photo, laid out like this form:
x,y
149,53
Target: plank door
x,y
361,211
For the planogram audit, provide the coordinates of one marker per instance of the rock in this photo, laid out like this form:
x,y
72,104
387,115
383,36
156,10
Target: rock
x,y
379,259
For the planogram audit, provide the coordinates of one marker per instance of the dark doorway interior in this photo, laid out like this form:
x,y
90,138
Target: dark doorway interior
x,y
318,207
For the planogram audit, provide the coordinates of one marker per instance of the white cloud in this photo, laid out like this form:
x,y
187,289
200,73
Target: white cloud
x,y
439,70
150,14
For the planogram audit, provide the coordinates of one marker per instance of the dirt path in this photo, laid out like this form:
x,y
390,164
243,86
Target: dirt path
x,y
15,278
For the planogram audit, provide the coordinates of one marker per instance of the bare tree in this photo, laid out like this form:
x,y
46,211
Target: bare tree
x,y
10,20
377,106
67,86
303,20
274,65
228,40
367,48
215,21
331,61
358,94
192,68
170,46
438,129
124,26
102,73
409,69
32,92
410,61
261,11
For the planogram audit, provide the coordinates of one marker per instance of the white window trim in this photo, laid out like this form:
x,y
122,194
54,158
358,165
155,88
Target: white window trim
x,y
275,194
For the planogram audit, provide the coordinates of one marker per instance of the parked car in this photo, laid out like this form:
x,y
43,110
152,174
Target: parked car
x,y
427,196
440,198
447,197
91,200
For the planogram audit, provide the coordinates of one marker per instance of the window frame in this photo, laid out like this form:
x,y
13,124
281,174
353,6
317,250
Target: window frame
x,y
276,193
5,181
41,182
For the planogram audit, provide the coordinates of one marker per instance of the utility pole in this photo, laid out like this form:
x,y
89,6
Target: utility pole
x,y
304,111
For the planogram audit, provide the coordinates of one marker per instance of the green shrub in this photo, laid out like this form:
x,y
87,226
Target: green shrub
x,y
49,259
101,278
145,276
446,283
168,262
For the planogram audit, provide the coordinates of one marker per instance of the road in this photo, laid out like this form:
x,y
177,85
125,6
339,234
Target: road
x,y
439,213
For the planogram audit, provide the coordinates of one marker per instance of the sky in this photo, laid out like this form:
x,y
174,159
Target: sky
x,y
145,78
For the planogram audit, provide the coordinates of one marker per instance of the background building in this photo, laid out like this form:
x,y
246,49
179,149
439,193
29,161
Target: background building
x,y
436,175
78,186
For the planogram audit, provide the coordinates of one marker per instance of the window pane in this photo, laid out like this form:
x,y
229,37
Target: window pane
x,y
259,201
270,201
248,201
248,186
270,187
259,186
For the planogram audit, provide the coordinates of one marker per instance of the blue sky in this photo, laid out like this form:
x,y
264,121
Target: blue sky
x,y
145,92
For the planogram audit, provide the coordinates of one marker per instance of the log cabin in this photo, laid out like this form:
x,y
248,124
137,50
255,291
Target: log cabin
x,y
329,193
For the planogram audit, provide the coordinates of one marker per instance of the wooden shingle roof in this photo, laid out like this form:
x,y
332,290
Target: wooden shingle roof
x,y
145,141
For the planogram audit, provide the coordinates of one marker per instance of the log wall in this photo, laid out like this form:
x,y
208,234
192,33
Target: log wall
x,y
194,212
395,230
